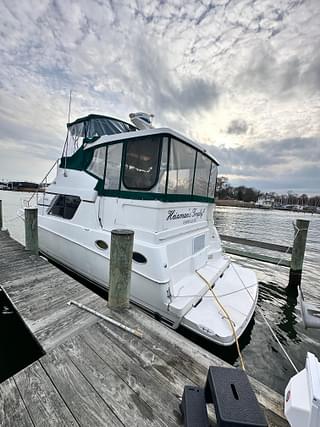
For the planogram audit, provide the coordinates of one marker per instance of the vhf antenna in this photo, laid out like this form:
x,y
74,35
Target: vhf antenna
x,y
67,140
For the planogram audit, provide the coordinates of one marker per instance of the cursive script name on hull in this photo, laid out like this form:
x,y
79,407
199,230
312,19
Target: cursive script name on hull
x,y
191,213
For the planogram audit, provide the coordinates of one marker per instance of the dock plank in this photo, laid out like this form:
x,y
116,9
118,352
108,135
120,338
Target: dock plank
x,y
256,243
85,404
189,359
13,412
128,405
45,406
142,355
160,395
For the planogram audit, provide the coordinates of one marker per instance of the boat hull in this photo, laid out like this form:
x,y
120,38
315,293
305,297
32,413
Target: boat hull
x,y
235,287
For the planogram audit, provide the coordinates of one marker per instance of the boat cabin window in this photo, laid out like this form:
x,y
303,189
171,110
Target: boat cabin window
x,y
202,175
64,206
96,166
141,163
181,168
213,180
163,165
113,168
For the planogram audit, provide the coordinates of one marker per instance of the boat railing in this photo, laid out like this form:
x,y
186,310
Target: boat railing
x,y
41,188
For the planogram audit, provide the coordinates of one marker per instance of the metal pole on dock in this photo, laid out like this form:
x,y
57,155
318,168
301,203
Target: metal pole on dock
x,y
298,249
120,268
31,230
1,221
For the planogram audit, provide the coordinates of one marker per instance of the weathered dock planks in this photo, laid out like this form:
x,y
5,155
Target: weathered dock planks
x,y
40,293
93,373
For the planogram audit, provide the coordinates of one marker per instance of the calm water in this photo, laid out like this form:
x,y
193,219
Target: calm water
x,y
262,355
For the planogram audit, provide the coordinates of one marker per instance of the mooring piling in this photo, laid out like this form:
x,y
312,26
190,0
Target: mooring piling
x,y
1,221
31,230
298,250
120,268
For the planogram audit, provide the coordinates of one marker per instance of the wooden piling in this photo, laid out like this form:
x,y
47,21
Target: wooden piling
x,y
120,268
1,221
31,230
298,249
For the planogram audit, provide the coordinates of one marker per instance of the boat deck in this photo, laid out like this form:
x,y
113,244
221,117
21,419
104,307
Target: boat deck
x,y
93,373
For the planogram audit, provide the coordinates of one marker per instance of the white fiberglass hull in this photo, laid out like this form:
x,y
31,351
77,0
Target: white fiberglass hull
x,y
190,303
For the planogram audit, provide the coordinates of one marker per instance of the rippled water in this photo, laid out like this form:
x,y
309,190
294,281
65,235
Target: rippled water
x,y
262,355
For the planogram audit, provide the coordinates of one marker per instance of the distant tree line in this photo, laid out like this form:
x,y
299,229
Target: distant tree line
x,y
224,190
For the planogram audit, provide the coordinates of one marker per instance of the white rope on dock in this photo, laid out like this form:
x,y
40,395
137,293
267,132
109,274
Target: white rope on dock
x,y
134,332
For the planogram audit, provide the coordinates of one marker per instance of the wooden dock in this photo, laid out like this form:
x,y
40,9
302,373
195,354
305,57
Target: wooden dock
x,y
93,373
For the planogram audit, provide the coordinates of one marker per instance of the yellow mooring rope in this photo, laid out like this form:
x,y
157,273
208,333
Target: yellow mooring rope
x,y
227,316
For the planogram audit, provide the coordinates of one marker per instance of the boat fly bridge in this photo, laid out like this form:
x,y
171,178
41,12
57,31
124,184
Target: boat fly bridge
x,y
161,185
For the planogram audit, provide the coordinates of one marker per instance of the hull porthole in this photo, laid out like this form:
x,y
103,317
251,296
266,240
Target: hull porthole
x,y
100,244
138,257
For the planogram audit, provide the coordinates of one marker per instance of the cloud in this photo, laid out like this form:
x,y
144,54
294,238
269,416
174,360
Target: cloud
x,y
237,75
268,72
237,126
291,163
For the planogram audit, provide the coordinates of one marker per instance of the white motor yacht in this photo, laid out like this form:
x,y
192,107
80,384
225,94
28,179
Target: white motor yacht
x,y
161,185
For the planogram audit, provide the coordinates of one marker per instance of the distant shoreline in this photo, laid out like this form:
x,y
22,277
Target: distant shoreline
x,y
235,203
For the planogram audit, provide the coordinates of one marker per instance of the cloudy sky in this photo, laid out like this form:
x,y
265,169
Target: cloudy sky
x,y
240,76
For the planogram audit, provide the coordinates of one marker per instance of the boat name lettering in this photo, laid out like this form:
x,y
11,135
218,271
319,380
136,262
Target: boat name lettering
x,y
195,213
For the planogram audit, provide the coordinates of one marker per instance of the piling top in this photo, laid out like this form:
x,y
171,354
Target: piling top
x,y
122,232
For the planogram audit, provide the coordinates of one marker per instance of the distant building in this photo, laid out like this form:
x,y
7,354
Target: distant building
x,y
3,186
265,202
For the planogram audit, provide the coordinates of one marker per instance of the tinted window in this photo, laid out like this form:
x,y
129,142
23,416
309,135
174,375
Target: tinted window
x,y
141,163
113,168
97,163
163,166
65,206
201,178
212,181
181,167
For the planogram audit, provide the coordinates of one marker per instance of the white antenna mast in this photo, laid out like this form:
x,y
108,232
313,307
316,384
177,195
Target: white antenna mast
x,y
67,140
69,109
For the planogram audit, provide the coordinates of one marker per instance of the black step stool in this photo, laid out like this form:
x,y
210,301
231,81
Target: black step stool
x,y
232,396
193,407
234,400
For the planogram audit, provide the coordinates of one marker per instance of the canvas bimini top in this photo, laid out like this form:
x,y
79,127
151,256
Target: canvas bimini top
x,y
151,164
95,125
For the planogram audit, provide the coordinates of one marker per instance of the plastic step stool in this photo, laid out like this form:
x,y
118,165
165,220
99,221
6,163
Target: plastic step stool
x,y
234,400
193,407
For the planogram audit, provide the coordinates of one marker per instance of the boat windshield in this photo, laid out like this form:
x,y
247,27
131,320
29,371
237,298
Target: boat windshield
x,y
148,167
153,167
